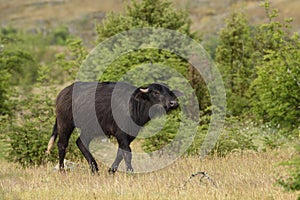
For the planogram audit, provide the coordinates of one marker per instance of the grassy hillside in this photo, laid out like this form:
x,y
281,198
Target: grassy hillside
x,y
209,17
80,16
237,176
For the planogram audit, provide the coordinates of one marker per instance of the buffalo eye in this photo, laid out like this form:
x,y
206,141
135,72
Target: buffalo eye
x,y
156,93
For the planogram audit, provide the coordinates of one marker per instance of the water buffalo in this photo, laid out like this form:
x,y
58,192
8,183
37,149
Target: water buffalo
x,y
111,109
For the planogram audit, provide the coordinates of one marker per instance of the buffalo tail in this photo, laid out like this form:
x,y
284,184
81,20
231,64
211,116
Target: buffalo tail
x,y
53,138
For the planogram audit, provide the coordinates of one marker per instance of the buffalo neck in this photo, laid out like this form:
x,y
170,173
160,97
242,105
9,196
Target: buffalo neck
x,y
139,111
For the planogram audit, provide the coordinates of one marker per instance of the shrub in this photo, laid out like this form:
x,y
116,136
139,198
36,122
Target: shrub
x,y
12,63
4,92
234,60
154,142
276,89
239,135
30,129
60,35
292,183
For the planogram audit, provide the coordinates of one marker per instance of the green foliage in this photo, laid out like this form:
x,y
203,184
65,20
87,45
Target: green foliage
x,y
200,89
292,183
30,130
11,69
276,90
4,91
26,118
233,57
21,54
27,144
238,136
119,68
147,13
71,60
4,128
60,36
235,139
210,44
157,139
261,69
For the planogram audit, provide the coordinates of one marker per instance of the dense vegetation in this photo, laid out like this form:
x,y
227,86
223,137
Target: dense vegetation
x,y
260,65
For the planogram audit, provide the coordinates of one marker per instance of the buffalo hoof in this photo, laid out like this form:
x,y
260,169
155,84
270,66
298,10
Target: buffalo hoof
x,y
62,171
129,171
93,173
94,169
112,170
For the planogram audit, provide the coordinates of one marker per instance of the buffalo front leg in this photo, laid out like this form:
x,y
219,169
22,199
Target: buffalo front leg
x,y
124,152
115,165
127,156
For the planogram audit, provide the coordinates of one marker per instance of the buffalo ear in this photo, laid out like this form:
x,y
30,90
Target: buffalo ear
x,y
177,93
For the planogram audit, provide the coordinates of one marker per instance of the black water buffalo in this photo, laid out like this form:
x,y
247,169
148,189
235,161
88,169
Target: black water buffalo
x,y
111,109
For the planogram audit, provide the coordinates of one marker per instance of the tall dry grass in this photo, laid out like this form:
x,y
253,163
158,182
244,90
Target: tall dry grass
x,y
248,175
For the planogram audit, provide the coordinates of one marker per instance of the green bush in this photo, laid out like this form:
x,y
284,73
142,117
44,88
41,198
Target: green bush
x,y
4,92
154,142
28,143
29,130
276,89
13,64
59,36
20,54
261,69
292,183
234,60
70,61
239,135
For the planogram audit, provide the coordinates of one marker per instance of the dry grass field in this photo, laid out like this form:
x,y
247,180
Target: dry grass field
x,y
249,175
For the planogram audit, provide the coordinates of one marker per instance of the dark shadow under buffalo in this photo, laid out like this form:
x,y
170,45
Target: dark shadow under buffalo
x,y
110,109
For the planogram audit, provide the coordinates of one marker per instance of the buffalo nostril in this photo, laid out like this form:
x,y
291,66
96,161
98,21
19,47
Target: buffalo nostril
x,y
173,103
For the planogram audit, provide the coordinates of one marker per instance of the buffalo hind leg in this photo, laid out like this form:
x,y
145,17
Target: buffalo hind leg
x,y
62,146
88,156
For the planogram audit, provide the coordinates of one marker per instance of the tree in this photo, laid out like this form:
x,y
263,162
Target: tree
x,y
276,89
147,13
234,59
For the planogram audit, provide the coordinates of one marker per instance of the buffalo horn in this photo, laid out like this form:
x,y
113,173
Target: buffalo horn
x,y
144,90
